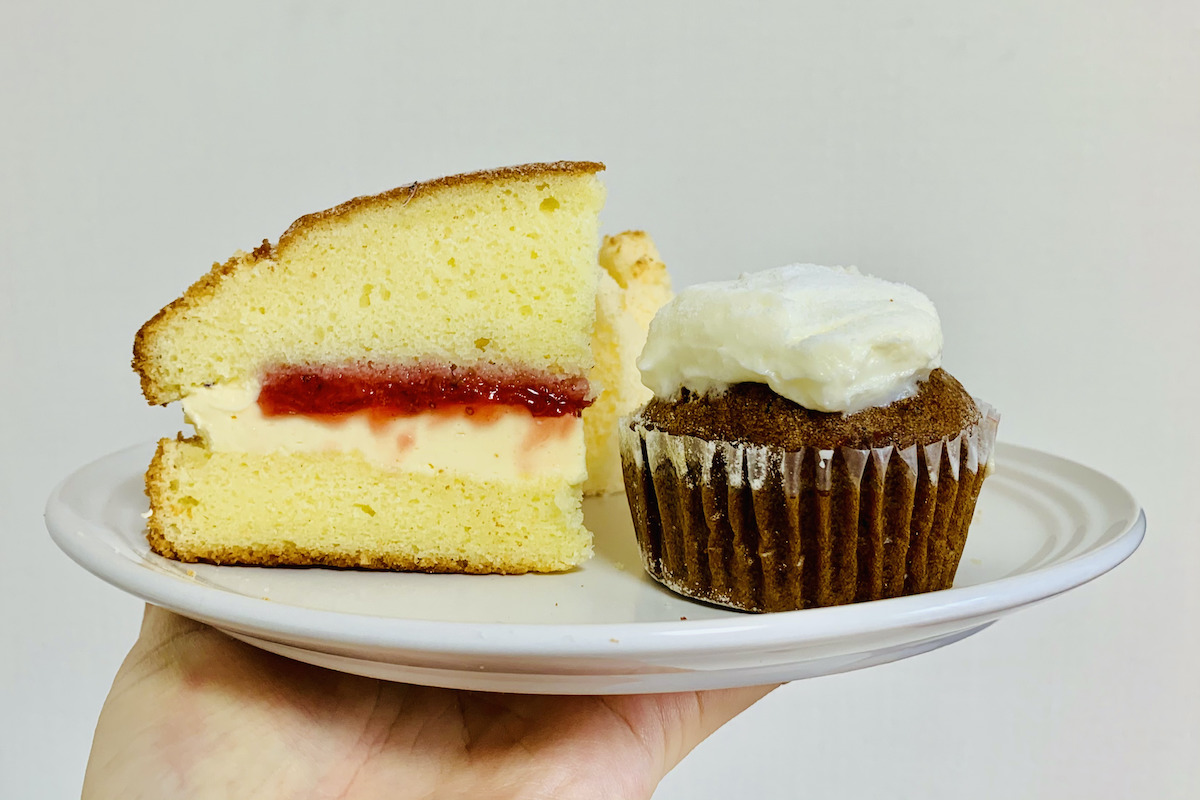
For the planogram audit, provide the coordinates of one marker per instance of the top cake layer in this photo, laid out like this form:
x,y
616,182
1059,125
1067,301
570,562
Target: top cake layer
x,y
494,267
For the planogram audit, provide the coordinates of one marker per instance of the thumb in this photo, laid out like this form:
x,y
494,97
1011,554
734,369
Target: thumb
x,y
690,718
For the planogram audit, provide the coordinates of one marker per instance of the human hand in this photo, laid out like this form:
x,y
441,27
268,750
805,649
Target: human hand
x,y
195,714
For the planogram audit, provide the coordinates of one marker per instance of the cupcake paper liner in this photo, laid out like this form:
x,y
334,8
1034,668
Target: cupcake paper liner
x,y
761,528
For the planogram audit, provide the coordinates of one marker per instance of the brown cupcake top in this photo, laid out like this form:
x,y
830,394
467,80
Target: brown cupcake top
x,y
751,413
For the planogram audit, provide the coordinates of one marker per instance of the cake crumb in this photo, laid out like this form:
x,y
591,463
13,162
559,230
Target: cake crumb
x,y
191,573
683,617
615,641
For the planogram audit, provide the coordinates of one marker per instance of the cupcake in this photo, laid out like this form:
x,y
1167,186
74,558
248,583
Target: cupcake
x,y
803,447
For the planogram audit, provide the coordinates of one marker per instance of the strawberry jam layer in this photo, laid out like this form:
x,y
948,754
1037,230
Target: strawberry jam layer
x,y
403,391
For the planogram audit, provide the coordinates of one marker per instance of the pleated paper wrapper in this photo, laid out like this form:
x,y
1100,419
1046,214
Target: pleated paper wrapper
x,y
760,528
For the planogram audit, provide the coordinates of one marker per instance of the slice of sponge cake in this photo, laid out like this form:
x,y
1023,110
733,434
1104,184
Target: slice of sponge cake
x,y
398,382
633,285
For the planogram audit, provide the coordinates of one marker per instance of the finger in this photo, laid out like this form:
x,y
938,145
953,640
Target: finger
x,y
721,705
158,642
159,625
710,711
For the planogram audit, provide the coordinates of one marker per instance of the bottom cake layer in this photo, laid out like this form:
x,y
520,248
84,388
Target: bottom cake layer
x,y
335,509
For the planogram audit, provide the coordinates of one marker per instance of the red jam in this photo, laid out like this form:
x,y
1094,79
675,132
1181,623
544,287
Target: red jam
x,y
403,391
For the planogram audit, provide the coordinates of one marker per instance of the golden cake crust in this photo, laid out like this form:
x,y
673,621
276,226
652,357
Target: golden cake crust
x,y
205,287
195,295
407,193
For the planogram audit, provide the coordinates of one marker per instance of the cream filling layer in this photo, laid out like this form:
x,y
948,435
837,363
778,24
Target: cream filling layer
x,y
494,442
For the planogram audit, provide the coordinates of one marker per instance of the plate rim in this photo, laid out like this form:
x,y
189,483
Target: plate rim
x,y
603,640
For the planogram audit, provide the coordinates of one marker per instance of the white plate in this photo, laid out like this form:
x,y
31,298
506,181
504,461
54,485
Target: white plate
x,y
1043,525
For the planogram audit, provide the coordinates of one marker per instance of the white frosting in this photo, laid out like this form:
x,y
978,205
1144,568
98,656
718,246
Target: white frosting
x,y
495,443
827,338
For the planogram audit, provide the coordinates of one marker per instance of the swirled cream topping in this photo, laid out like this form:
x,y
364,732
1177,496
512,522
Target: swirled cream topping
x,y
827,338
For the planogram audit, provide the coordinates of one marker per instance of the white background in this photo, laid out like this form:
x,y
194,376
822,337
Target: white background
x,y
1034,167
